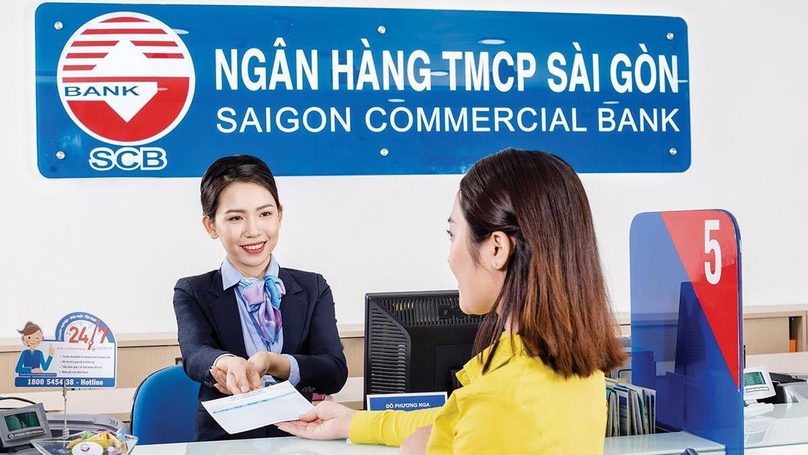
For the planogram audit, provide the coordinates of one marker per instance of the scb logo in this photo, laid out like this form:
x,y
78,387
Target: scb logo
x,y
126,79
128,158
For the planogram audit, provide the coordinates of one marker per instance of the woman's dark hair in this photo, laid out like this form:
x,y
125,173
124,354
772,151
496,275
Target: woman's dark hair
x,y
229,169
554,291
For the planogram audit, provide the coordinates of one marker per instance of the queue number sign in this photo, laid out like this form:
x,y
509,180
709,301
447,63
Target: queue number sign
x,y
83,354
711,245
686,316
707,243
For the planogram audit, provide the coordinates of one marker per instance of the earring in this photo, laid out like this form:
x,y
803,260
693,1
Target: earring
x,y
494,264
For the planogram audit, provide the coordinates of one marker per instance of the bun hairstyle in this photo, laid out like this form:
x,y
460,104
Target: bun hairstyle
x,y
229,169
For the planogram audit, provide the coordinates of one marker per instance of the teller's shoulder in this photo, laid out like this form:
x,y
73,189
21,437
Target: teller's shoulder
x,y
303,278
196,281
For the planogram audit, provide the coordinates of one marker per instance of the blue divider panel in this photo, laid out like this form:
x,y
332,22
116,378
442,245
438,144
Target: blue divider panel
x,y
686,321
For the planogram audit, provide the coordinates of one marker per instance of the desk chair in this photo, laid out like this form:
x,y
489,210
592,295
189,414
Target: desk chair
x,y
164,408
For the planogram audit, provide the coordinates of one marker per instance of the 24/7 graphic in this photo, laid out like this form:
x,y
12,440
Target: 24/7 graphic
x,y
83,354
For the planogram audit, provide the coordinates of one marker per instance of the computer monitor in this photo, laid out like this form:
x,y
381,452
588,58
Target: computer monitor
x,y
416,341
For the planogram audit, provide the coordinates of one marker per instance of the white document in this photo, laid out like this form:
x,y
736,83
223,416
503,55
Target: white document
x,y
259,408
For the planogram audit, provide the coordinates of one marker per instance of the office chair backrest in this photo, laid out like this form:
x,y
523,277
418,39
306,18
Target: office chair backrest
x,y
164,408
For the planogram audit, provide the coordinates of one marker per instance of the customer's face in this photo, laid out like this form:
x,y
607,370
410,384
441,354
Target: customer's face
x,y
247,222
476,284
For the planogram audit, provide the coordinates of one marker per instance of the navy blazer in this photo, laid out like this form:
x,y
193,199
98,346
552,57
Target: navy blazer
x,y
209,325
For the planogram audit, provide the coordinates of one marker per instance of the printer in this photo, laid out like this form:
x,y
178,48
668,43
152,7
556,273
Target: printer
x,y
790,388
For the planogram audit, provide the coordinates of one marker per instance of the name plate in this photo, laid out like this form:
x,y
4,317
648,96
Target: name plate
x,y
405,401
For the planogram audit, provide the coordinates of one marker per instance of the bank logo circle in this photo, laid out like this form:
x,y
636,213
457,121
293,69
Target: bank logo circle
x,y
126,78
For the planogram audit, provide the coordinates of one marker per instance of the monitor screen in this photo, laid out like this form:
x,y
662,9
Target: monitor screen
x,y
753,378
19,426
757,384
22,420
416,341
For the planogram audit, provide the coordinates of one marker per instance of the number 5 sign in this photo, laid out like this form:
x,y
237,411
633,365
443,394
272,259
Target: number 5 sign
x,y
706,242
686,320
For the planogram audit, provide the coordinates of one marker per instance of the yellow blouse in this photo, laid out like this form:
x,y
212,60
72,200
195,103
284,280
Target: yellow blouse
x,y
520,406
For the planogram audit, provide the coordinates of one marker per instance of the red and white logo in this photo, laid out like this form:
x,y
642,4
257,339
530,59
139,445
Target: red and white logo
x,y
126,78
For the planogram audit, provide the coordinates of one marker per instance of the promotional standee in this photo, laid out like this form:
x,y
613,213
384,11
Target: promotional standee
x,y
686,321
82,355
140,90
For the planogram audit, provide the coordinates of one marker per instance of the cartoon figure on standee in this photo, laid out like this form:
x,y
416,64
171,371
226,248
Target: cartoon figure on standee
x,y
32,360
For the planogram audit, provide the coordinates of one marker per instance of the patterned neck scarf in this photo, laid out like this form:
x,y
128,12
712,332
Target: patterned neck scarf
x,y
263,299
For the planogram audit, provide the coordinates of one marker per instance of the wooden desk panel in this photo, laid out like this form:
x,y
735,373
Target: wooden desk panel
x,y
139,355
793,362
354,349
117,402
767,328
766,335
136,363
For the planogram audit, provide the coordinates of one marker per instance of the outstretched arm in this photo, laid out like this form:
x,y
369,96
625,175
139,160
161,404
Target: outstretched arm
x,y
328,420
200,348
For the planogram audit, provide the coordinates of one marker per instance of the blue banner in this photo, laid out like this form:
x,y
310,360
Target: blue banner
x,y
133,90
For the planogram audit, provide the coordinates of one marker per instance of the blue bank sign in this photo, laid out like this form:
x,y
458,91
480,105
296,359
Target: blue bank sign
x,y
163,90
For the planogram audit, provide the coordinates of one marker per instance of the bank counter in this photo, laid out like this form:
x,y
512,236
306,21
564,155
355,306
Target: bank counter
x,y
288,445
671,443
782,430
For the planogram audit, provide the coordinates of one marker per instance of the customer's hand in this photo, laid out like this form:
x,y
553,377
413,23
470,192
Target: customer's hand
x,y
328,420
415,444
235,375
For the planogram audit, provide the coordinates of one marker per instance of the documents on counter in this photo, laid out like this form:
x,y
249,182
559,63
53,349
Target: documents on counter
x,y
632,409
259,408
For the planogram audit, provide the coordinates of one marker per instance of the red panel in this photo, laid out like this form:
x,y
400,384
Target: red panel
x,y
703,238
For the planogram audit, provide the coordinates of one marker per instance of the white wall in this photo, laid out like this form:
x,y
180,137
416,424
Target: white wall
x,y
115,247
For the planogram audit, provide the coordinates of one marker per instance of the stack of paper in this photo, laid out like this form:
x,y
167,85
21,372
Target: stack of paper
x,y
259,408
632,409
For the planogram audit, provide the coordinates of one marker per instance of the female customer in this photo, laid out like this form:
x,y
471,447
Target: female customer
x,y
523,251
